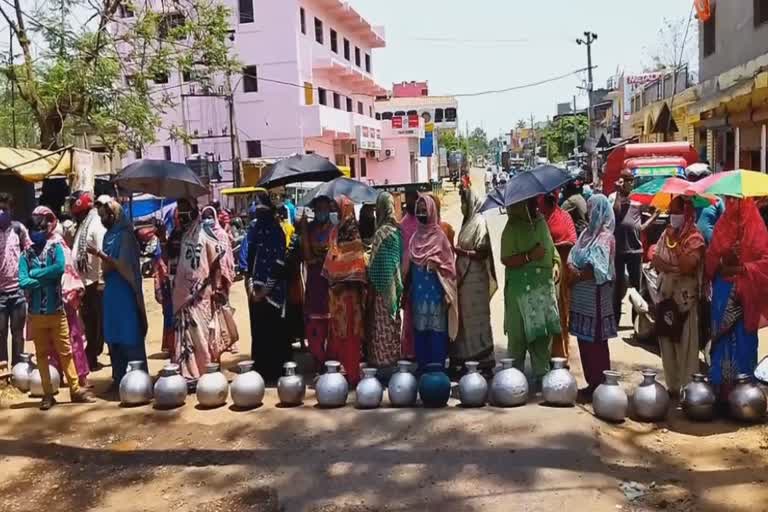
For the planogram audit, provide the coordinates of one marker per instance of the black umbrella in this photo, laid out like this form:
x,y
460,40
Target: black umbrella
x,y
161,178
299,168
541,180
357,191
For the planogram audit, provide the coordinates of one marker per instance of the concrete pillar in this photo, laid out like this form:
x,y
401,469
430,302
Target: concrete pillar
x,y
763,144
737,148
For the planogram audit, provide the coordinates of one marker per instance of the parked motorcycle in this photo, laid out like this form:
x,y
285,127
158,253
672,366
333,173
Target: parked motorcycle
x,y
148,246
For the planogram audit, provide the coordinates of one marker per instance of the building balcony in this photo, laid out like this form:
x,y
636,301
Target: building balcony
x,y
334,68
322,121
354,23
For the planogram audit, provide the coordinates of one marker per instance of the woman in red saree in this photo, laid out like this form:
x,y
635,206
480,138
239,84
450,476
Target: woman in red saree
x,y
345,270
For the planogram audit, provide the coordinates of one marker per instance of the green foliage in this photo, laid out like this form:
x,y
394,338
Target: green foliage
x,y
98,77
450,141
478,143
559,135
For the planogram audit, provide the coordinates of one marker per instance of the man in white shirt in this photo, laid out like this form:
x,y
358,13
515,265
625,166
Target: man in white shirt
x,y
488,180
90,232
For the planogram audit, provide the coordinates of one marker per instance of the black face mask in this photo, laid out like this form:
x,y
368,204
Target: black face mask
x,y
423,218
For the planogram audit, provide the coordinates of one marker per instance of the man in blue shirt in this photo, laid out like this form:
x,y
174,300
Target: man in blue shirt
x,y
41,268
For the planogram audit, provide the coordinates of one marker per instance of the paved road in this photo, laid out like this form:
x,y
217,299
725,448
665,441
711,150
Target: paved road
x,y
533,458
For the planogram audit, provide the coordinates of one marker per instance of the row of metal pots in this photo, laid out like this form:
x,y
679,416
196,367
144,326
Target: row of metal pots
x,y
509,388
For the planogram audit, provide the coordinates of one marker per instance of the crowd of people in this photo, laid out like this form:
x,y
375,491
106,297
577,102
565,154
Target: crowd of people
x,y
381,288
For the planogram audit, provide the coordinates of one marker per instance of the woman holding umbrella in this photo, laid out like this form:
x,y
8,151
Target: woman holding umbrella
x,y
737,263
531,316
345,271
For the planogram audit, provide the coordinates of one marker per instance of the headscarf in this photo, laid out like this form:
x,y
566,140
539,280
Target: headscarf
x,y
675,242
474,236
71,284
120,244
83,202
446,227
595,246
345,261
386,254
741,230
430,246
223,247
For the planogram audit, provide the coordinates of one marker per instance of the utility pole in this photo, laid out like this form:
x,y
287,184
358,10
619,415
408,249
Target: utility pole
x,y
234,144
533,140
13,89
589,38
575,129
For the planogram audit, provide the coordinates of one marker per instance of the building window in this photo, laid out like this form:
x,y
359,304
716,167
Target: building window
x,y
334,41
346,48
438,115
378,116
125,10
250,79
309,94
367,63
138,153
709,44
337,100
386,116
363,167
186,75
170,22
357,56
245,8
322,96
194,149
760,11
349,105
303,20
319,31
399,113
253,148
167,152
360,107
370,111
352,167
450,115
130,80
412,113
160,78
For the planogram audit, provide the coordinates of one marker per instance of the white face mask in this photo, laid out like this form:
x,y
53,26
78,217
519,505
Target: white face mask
x,y
334,217
676,220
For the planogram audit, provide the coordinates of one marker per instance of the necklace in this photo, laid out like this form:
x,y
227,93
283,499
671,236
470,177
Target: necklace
x,y
671,245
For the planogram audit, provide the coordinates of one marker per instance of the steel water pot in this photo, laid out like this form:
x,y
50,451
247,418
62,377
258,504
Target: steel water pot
x,y
369,391
609,401
21,372
650,401
698,399
170,388
746,401
136,385
247,387
36,382
212,387
473,388
332,387
403,387
558,387
509,387
290,387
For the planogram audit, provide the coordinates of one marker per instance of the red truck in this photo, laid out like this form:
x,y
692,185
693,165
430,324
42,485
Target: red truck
x,y
648,161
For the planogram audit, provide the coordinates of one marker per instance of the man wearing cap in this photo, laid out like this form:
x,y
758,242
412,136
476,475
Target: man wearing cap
x,y
90,231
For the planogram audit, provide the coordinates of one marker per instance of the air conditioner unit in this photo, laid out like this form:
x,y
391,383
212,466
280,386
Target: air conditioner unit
x,y
389,153
371,153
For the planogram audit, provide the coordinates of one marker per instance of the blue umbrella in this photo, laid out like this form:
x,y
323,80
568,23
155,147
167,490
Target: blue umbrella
x,y
494,199
357,191
541,180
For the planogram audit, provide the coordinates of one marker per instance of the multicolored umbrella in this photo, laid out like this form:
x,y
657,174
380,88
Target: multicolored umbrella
x,y
739,183
659,193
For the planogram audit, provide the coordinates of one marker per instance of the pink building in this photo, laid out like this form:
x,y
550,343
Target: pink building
x,y
307,86
410,89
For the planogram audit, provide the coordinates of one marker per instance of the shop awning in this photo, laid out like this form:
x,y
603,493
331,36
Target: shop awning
x,y
241,191
35,165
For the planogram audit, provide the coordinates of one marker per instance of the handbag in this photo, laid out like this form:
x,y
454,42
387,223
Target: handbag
x,y
669,320
223,331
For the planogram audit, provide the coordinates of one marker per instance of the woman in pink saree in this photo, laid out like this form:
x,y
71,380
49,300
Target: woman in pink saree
x,y
200,290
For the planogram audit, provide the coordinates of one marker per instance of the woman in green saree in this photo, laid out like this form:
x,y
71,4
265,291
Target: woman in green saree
x,y
531,317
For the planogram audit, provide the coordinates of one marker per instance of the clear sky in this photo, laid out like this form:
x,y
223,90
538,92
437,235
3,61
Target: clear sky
x,y
460,58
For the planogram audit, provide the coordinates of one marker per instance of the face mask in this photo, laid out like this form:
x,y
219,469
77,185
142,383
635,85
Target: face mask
x,y
5,219
334,217
38,237
321,217
676,220
209,222
423,218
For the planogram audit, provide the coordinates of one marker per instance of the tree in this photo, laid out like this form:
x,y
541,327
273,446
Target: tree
x,y
92,66
677,44
450,141
478,142
559,135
